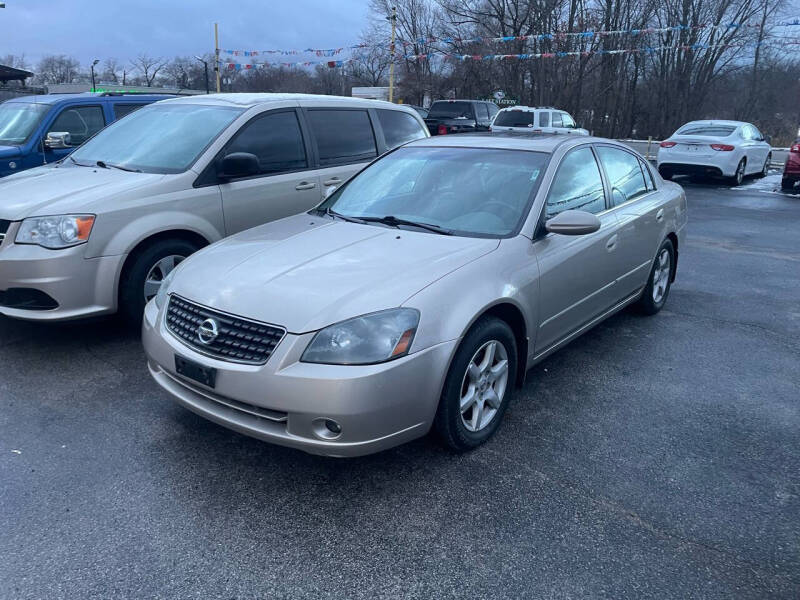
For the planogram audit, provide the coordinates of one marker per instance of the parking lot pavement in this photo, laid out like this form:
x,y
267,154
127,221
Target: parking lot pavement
x,y
653,457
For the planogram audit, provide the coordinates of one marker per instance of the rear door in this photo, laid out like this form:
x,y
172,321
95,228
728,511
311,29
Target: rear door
x,y
344,142
577,273
286,184
637,205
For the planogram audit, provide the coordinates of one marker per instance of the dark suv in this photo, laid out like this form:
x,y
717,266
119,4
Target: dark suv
x,y
460,116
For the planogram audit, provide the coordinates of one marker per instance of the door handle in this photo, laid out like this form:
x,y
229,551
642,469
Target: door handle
x,y
333,181
612,242
660,215
305,185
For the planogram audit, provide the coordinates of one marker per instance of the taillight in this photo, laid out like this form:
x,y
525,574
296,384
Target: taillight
x,y
667,144
795,149
722,147
442,129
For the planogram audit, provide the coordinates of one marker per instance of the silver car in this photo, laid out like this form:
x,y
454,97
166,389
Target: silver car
x,y
417,295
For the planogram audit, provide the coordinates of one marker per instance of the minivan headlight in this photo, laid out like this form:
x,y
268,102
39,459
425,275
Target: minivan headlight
x,y
364,340
55,232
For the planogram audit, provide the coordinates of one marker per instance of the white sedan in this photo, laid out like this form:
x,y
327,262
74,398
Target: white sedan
x,y
730,149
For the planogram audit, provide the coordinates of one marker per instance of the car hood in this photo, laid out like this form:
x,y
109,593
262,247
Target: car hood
x,y
304,273
52,190
9,151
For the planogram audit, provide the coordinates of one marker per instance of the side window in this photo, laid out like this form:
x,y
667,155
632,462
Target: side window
x,y
121,110
747,133
81,122
544,119
275,139
342,135
557,122
648,176
577,185
493,110
756,133
624,174
567,120
399,127
482,112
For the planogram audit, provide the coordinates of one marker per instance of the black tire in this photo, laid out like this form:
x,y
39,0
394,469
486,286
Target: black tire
x,y
648,303
666,175
787,185
765,170
131,285
739,175
449,423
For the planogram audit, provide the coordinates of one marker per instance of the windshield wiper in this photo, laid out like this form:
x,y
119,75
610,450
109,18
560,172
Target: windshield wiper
x,y
393,221
77,163
335,215
104,165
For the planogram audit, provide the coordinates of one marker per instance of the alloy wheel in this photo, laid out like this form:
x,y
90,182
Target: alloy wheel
x,y
484,385
740,173
661,275
157,274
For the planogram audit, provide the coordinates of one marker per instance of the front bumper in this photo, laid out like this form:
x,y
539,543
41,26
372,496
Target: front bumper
x,y
69,285
284,401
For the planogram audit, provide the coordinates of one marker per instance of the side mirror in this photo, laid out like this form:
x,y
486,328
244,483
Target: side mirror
x,y
238,164
573,222
58,140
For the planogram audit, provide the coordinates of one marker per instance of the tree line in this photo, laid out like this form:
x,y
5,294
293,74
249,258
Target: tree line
x,y
747,73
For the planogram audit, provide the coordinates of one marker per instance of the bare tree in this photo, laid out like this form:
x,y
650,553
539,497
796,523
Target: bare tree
x,y
58,69
148,67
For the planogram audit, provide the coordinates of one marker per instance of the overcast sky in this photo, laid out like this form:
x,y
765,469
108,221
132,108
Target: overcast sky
x,y
89,29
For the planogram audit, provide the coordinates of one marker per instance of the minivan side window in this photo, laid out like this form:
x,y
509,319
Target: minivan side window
x,y
342,136
544,119
399,127
122,110
557,122
276,139
624,174
577,185
81,122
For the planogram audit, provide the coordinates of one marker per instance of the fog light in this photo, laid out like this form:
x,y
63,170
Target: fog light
x,y
327,429
333,426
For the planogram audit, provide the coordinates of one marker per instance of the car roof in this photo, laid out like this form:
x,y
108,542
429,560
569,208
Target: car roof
x,y
532,142
251,100
87,97
532,108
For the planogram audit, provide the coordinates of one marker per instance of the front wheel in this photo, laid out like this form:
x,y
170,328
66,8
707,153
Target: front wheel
x,y
142,277
478,386
787,185
657,289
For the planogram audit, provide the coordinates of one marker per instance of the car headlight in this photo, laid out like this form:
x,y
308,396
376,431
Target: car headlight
x,y
55,232
163,290
368,339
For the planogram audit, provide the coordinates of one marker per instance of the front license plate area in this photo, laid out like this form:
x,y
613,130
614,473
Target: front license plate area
x,y
188,368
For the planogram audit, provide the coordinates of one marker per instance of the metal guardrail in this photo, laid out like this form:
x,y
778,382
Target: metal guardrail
x,y
649,149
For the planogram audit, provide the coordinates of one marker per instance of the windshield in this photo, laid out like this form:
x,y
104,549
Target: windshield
x,y
18,120
451,110
159,138
477,192
709,130
514,118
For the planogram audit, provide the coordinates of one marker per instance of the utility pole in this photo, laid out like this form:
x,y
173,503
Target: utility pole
x,y
216,53
92,70
393,19
205,66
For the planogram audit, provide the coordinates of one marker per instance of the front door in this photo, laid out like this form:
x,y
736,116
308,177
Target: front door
x,y
577,274
285,185
81,122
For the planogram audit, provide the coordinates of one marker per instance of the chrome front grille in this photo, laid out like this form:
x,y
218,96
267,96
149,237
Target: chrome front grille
x,y
4,225
237,340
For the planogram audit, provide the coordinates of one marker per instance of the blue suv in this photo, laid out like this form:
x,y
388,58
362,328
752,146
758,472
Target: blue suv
x,y
36,130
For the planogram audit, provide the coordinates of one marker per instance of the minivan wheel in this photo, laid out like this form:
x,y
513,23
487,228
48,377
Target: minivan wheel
x,y
658,285
738,176
479,385
142,278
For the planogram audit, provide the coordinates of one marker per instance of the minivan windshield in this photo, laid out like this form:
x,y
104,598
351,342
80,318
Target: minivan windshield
x,y
18,120
451,110
474,192
514,118
159,138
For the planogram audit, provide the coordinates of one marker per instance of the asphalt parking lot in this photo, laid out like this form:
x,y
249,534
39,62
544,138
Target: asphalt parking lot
x,y
653,457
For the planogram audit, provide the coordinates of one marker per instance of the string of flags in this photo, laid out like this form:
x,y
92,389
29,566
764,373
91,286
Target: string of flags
x,y
265,65
555,35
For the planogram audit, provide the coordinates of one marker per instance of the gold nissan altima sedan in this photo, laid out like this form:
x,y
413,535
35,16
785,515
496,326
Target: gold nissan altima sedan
x,y
416,296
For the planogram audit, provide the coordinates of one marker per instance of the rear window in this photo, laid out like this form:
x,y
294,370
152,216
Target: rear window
x,y
343,135
121,110
544,119
514,118
399,127
451,110
709,130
